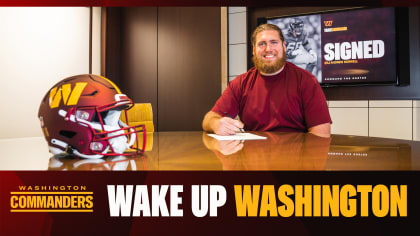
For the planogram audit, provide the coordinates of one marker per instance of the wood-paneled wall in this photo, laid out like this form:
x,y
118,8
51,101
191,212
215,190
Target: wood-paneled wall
x,y
167,56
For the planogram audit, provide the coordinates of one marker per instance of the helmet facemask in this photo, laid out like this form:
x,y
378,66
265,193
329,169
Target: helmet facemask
x,y
110,135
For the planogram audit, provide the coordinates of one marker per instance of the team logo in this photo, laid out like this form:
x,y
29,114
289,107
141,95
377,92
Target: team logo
x,y
70,96
51,199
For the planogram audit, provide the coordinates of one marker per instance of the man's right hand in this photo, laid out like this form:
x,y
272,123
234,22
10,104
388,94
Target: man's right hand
x,y
220,125
227,126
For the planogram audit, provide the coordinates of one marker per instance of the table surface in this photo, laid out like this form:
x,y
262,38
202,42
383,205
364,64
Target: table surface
x,y
198,151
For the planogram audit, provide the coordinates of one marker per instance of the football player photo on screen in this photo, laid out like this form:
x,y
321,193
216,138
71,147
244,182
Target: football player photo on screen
x,y
303,41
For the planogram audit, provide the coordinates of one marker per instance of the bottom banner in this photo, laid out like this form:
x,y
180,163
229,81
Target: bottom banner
x,y
209,202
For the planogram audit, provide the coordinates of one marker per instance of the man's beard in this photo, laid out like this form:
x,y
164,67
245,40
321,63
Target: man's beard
x,y
269,69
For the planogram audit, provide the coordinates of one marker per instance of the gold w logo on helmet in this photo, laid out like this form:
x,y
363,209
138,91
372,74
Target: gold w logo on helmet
x,y
70,96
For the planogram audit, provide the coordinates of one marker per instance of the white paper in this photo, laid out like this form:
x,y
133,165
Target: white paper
x,y
237,136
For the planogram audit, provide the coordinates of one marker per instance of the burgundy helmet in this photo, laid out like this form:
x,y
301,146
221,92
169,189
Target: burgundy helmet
x,y
80,115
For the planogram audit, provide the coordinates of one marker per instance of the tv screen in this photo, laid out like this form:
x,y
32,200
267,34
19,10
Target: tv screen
x,y
351,47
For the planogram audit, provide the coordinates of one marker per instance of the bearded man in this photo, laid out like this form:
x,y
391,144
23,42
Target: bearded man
x,y
275,95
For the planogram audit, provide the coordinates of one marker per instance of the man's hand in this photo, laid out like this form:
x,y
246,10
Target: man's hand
x,y
227,126
214,122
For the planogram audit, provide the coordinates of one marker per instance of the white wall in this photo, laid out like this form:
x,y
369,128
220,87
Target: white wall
x,y
38,47
388,119
96,40
237,48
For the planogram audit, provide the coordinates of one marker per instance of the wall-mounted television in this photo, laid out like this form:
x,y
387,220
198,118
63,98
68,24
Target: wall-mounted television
x,y
349,47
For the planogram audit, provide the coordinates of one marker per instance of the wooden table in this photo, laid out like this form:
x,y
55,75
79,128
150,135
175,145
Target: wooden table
x,y
280,151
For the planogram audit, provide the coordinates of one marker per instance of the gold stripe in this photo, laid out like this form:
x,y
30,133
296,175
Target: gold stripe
x,y
77,91
112,83
339,29
54,98
51,192
66,90
51,210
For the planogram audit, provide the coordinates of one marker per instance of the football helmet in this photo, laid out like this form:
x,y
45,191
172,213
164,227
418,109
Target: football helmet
x,y
80,115
296,26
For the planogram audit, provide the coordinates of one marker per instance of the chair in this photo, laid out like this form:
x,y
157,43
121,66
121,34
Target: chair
x,y
141,114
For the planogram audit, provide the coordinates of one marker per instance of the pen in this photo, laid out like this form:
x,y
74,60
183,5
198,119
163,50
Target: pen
x,y
241,129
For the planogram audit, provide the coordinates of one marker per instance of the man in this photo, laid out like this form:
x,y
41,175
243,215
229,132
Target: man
x,y
298,49
275,95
